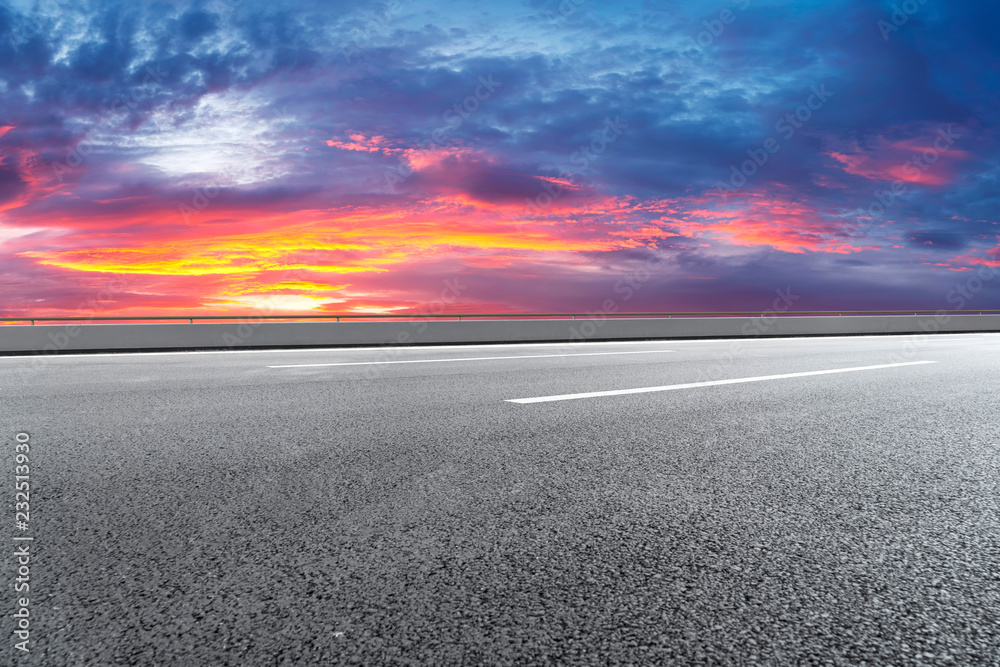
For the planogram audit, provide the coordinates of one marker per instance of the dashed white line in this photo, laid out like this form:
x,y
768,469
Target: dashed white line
x,y
438,361
713,383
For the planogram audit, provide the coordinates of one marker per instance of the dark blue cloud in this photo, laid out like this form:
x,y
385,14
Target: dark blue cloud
x,y
195,24
11,183
939,240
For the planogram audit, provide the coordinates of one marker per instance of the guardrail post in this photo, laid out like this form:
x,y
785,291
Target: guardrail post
x,y
190,320
459,318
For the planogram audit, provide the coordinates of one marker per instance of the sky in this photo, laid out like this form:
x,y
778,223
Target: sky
x,y
248,156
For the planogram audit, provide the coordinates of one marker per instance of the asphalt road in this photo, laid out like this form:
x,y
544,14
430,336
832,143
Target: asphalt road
x,y
214,509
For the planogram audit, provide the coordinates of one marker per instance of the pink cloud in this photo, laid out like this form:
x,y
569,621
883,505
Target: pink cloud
x,y
928,158
358,142
766,219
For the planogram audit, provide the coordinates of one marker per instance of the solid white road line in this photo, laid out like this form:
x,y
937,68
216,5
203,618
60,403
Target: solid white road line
x,y
888,338
438,361
471,346
692,385
321,348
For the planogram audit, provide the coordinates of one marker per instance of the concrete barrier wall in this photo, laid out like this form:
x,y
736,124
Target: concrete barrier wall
x,y
110,337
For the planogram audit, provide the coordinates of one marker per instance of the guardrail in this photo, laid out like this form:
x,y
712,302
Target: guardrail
x,y
191,319
199,332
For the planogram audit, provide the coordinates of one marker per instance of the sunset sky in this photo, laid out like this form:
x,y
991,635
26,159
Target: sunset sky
x,y
519,156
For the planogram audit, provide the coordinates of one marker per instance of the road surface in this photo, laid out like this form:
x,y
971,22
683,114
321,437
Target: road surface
x,y
513,505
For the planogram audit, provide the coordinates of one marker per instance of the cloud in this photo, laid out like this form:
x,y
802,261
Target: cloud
x,y
770,219
342,156
922,156
195,24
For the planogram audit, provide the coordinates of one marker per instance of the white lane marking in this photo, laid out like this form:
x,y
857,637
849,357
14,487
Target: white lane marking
x,y
950,337
432,361
888,338
346,348
692,385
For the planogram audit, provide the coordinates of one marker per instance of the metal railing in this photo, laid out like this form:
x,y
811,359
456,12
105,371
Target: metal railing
x,y
337,317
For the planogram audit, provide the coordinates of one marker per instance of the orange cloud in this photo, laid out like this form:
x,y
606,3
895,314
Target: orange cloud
x,y
293,259
227,255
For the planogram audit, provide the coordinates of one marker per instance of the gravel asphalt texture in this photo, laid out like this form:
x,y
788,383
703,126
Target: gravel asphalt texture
x,y
205,509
